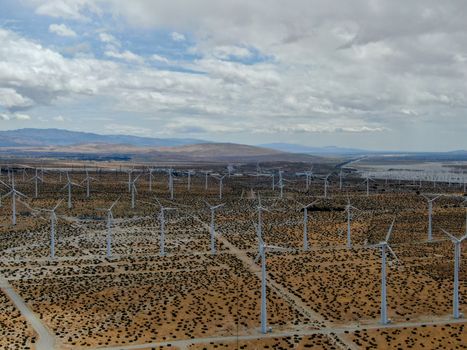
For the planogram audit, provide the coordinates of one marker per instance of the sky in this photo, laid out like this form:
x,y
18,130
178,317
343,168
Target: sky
x,y
381,75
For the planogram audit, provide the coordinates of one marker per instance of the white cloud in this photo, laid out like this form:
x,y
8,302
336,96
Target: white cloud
x,y
123,129
59,119
21,116
125,55
226,52
4,116
177,36
62,30
362,66
67,9
10,98
109,39
159,58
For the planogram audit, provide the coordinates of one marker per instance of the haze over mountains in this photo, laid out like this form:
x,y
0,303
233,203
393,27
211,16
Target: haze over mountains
x,y
60,137
71,144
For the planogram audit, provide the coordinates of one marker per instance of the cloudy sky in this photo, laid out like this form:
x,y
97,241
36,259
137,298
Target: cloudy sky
x,y
371,74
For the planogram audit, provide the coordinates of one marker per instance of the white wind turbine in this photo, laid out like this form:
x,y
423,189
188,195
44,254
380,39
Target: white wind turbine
x,y
13,193
230,169
308,175
326,184
430,214
384,245
221,184
189,173
151,176
134,191
280,183
171,182
457,255
110,218
53,222
348,210
87,179
68,186
305,223
206,174
162,221
36,179
259,226
129,172
367,181
262,255
212,226
7,186
340,179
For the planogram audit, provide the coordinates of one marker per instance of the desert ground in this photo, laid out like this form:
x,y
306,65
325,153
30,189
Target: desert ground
x,y
97,292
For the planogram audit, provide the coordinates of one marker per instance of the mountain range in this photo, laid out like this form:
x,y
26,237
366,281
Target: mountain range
x,y
57,143
30,137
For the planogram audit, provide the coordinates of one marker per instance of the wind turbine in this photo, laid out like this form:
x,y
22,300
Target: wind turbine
x,y
68,186
280,183
87,179
259,228
13,193
151,176
134,191
384,245
308,175
457,255
129,172
162,221
110,219
221,184
305,223
262,255
53,222
230,169
212,227
340,179
326,184
206,174
189,173
348,209
36,178
171,183
430,214
367,181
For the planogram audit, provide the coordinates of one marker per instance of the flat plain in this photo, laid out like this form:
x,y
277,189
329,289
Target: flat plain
x,y
327,297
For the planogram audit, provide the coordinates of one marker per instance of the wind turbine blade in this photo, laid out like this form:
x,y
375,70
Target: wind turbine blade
x,y
9,193
157,201
21,194
58,204
454,239
114,203
392,252
390,230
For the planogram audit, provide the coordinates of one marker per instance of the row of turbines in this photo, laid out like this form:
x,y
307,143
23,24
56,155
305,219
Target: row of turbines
x,y
262,246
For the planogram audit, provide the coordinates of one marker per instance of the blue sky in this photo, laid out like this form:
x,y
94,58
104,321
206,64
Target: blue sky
x,y
370,74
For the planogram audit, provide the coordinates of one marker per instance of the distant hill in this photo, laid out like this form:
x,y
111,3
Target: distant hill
x,y
329,150
58,137
204,152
